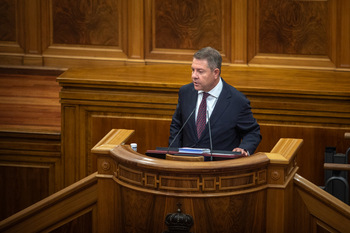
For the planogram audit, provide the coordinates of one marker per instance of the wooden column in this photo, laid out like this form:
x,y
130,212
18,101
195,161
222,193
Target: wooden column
x,y
281,170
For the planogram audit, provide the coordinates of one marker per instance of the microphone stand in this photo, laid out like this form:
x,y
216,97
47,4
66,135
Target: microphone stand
x,y
180,130
210,139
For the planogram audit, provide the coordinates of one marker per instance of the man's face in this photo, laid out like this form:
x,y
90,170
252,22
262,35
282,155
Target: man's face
x,y
202,77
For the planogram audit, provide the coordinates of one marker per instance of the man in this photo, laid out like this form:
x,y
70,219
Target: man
x,y
232,125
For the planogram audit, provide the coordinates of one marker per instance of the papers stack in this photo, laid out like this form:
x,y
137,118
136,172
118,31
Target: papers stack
x,y
189,150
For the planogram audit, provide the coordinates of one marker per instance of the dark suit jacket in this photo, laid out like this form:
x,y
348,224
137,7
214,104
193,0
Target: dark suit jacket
x,y
232,123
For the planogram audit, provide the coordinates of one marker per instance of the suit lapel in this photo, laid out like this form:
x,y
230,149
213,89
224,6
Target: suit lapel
x,y
221,105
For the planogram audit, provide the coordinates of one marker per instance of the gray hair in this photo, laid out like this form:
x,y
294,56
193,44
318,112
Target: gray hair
x,y
212,56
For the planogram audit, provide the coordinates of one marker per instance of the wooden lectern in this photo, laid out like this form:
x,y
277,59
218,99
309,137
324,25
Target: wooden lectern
x,y
250,194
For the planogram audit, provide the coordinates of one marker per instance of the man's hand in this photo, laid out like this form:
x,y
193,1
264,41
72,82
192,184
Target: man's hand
x,y
243,152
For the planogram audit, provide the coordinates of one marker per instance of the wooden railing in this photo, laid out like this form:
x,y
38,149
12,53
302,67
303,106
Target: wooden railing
x,y
315,209
77,202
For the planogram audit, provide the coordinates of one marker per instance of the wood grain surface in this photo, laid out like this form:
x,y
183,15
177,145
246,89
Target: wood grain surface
x,y
188,24
293,27
8,20
29,103
86,22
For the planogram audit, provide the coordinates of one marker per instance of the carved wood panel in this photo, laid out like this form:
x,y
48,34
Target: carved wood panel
x,y
11,32
7,20
86,22
293,27
187,26
84,33
300,33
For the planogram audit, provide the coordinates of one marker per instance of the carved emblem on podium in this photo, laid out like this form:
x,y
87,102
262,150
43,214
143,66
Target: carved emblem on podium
x,y
275,175
106,166
178,222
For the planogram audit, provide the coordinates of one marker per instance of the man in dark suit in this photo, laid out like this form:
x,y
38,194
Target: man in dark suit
x,y
232,125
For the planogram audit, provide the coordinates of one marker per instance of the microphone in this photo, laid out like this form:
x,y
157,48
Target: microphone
x,y
180,130
211,141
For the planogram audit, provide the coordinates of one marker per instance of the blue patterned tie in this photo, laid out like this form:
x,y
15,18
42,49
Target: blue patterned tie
x,y
201,116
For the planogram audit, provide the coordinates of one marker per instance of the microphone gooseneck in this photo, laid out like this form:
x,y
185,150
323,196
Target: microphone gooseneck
x,y
180,130
210,140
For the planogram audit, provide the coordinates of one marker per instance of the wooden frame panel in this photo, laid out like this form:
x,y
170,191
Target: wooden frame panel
x,y
194,29
91,47
239,31
41,179
343,33
12,47
322,61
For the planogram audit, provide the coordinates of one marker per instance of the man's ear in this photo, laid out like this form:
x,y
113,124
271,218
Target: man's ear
x,y
217,73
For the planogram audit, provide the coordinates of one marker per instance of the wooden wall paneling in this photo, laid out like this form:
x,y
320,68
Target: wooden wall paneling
x,y
32,33
292,27
17,179
135,22
150,132
27,179
252,29
174,30
23,46
332,31
93,33
343,22
239,31
8,21
70,144
11,33
292,33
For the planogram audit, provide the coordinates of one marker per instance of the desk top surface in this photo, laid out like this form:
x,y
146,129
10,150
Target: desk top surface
x,y
243,78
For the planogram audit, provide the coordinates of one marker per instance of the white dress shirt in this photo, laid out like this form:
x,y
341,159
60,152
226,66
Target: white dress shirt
x,y
211,99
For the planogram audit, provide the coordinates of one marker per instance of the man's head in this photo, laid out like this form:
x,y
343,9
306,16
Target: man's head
x,y
206,69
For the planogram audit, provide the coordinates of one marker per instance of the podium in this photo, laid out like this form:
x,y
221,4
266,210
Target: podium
x,y
132,192
249,194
